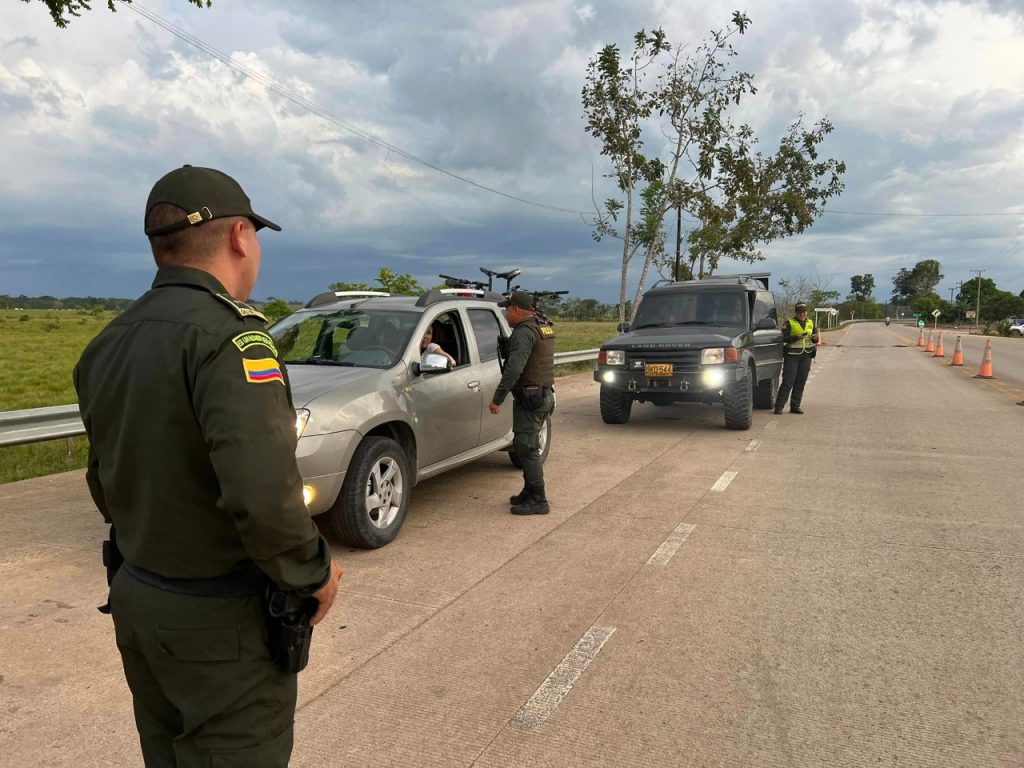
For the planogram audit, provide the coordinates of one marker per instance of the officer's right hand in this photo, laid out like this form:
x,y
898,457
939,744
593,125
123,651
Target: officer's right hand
x,y
326,594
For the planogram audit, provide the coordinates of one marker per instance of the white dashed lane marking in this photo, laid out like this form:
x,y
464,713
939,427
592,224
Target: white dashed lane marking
x,y
752,446
546,699
723,482
675,540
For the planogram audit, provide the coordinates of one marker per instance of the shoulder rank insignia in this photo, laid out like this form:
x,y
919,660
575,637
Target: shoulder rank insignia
x,y
261,371
546,330
243,309
254,338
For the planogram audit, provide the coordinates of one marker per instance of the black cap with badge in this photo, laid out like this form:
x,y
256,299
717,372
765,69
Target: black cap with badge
x,y
204,194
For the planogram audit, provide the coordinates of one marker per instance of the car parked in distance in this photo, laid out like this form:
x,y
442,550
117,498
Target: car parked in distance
x,y
715,340
373,416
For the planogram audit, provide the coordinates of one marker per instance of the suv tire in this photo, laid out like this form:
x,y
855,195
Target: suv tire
x,y
545,445
615,405
374,498
739,403
766,392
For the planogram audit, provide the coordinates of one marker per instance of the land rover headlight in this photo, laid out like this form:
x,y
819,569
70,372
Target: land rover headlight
x,y
301,420
615,357
719,355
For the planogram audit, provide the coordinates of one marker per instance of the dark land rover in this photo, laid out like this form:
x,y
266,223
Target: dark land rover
x,y
710,341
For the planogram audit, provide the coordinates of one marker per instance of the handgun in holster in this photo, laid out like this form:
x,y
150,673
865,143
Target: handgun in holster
x,y
289,633
112,560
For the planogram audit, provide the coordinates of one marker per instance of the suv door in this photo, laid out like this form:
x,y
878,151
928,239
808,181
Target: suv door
x,y
446,406
767,343
486,329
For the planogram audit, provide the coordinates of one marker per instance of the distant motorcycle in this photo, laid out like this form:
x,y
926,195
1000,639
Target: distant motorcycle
x,y
887,321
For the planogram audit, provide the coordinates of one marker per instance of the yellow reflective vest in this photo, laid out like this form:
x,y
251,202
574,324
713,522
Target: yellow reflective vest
x,y
800,346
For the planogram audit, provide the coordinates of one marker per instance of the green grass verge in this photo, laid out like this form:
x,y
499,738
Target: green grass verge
x,y
38,354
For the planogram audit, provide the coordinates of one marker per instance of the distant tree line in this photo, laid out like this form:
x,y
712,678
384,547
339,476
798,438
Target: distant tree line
x,y
70,302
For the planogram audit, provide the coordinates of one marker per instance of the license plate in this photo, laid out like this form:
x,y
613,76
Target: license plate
x,y
654,370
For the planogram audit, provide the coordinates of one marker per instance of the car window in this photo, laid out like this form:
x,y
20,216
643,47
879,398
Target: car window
x,y
764,306
447,332
487,330
353,337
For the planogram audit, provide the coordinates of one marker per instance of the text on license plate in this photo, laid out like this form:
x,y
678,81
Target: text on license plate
x,y
653,370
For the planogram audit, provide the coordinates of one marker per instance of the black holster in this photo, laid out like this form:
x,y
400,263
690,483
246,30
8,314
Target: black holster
x,y
112,560
289,633
529,397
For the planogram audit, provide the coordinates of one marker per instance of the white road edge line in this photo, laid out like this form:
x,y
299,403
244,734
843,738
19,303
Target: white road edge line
x,y
671,545
545,700
752,446
723,482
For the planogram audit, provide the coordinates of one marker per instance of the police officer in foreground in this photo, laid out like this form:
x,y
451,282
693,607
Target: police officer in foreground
x,y
530,376
192,460
800,341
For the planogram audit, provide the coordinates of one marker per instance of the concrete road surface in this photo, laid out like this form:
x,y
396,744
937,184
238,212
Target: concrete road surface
x,y
841,588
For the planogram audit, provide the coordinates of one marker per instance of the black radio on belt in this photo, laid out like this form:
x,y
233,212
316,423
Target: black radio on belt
x,y
289,633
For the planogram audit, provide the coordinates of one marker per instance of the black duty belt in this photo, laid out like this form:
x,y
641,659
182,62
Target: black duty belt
x,y
242,583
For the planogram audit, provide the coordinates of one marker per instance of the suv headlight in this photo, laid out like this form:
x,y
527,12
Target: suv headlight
x,y
712,356
719,355
301,420
615,357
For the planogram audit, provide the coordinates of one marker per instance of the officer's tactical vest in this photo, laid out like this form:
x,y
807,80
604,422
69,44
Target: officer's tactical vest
x,y
800,346
540,368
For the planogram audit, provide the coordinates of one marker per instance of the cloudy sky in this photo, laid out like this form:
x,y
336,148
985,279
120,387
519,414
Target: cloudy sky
x,y
927,99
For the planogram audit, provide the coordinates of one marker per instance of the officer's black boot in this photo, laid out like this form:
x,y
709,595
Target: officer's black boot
x,y
535,503
520,497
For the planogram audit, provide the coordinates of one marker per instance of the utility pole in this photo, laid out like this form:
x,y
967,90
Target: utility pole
x,y
959,292
977,308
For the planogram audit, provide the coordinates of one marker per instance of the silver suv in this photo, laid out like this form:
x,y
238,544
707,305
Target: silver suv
x,y
374,416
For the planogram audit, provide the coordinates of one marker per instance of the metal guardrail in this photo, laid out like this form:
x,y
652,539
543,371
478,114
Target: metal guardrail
x,y
35,425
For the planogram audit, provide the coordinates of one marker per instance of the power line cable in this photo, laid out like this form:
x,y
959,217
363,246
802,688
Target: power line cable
x,y
280,90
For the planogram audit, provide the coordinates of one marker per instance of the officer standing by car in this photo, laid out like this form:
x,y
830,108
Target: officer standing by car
x,y
529,375
800,341
192,460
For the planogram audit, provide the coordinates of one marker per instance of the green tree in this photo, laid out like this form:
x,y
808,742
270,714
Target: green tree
x,y
928,302
739,197
861,287
276,309
62,11
908,284
391,282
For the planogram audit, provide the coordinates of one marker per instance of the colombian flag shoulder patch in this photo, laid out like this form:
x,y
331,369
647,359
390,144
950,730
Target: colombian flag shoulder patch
x,y
263,370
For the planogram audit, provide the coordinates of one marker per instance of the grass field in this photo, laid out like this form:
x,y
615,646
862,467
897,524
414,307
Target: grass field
x,y
37,355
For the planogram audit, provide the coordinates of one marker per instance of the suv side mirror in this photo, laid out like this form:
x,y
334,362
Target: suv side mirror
x,y
765,324
432,364
622,327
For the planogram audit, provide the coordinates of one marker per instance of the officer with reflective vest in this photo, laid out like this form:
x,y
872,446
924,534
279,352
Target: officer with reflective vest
x,y
530,376
801,342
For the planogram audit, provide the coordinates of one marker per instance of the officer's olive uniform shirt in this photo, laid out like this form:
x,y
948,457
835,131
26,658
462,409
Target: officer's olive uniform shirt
x,y
192,438
520,346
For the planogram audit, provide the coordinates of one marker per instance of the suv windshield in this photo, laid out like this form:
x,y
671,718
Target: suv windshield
x,y
664,310
361,338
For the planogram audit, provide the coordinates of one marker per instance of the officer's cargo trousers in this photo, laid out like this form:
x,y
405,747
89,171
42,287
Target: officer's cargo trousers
x,y
794,376
526,426
205,690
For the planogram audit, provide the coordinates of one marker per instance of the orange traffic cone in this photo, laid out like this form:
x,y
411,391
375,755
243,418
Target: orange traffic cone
x,y
939,352
920,338
958,353
931,343
986,363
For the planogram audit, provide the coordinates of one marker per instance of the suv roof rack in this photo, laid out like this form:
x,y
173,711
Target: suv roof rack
x,y
434,295
761,278
329,296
